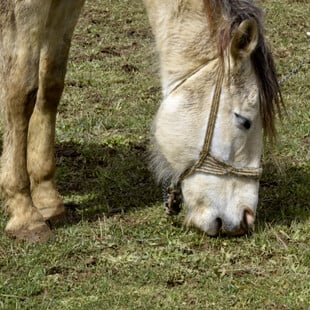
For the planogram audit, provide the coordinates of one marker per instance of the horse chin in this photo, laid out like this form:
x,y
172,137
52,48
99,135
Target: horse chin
x,y
215,205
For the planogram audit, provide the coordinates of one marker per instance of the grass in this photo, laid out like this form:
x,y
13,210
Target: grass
x,y
119,251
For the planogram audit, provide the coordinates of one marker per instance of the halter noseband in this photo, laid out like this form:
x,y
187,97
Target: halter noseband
x,y
206,163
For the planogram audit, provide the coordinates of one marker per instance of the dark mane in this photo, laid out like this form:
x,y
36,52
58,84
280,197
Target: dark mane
x,y
233,12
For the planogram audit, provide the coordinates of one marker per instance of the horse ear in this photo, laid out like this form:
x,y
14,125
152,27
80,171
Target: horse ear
x,y
244,39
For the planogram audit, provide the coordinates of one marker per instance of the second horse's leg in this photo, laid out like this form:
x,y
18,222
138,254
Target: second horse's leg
x,y
21,28
41,137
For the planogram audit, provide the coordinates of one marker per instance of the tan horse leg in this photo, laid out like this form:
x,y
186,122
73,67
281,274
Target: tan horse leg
x,y
21,28
53,60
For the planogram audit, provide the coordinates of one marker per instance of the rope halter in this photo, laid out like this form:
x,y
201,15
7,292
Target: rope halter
x,y
207,163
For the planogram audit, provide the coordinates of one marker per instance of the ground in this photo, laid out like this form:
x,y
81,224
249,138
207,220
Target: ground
x,y
118,250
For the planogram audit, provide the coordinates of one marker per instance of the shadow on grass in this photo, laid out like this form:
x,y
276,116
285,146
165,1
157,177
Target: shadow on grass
x,y
108,179
284,196
98,180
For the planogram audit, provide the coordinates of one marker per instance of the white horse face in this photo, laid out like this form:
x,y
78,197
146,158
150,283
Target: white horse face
x,y
214,202
229,201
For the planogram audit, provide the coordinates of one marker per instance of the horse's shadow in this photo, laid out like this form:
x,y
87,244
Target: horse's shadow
x,y
284,195
98,180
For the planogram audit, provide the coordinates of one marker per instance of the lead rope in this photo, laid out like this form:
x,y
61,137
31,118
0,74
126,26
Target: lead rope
x,y
295,70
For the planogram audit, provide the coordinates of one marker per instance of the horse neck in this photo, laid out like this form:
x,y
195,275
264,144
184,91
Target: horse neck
x,y
185,42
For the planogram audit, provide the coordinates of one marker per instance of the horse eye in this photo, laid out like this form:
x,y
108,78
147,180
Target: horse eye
x,y
243,121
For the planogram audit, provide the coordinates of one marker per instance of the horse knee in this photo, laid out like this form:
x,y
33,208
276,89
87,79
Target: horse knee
x,y
20,100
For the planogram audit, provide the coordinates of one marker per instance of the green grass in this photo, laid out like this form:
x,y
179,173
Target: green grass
x,y
119,251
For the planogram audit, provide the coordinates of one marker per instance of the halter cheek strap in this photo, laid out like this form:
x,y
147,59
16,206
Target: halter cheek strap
x,y
207,163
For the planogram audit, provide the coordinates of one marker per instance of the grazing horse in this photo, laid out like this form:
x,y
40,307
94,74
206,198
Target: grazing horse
x,y
219,92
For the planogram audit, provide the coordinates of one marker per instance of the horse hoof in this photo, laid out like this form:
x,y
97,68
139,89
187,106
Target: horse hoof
x,y
39,234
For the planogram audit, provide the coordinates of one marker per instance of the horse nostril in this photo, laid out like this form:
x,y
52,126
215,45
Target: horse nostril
x,y
248,218
242,227
219,223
